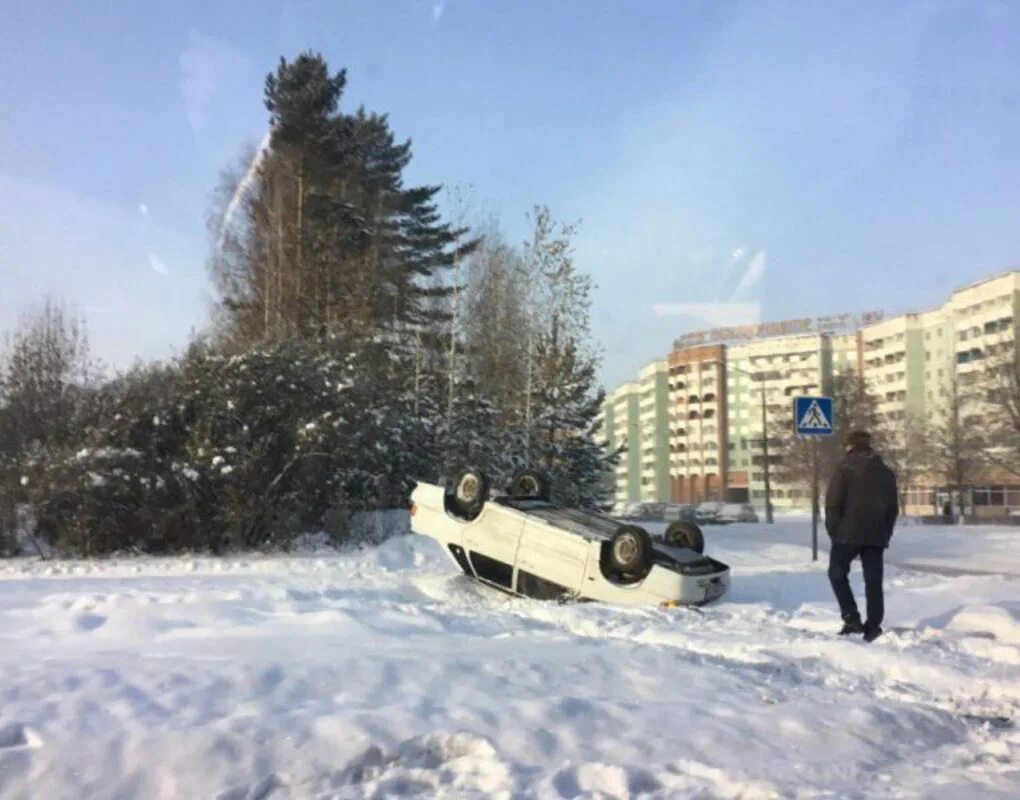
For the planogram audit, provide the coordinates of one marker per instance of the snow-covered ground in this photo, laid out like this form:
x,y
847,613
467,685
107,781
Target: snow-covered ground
x,y
382,673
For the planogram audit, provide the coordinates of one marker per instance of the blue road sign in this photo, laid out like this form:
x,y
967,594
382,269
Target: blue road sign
x,y
813,416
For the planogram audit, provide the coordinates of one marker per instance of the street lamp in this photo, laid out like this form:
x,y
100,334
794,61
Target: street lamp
x,y
760,376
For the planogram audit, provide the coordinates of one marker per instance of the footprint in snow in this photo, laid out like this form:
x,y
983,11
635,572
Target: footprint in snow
x,y
16,735
260,790
90,622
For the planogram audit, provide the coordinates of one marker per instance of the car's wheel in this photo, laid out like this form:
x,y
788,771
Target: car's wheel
x,y
528,483
630,552
685,534
468,493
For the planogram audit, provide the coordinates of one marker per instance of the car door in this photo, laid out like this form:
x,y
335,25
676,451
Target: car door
x,y
552,555
491,542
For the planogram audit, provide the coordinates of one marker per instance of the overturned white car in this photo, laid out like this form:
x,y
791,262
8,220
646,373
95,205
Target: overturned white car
x,y
522,543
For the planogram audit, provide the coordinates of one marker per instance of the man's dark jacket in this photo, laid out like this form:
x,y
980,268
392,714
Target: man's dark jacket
x,y
861,501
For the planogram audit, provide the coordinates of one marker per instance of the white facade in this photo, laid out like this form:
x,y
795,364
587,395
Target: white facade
x,y
790,366
619,428
915,362
653,431
885,349
983,325
911,361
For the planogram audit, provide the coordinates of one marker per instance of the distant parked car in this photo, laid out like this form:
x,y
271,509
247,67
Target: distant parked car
x,y
631,510
679,512
708,513
654,512
645,512
737,512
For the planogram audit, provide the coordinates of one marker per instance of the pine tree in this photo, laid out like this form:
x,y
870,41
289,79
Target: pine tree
x,y
472,435
328,242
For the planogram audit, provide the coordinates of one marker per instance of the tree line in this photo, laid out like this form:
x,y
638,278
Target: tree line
x,y
362,342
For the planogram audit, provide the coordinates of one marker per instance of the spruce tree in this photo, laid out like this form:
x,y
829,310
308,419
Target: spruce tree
x,y
328,242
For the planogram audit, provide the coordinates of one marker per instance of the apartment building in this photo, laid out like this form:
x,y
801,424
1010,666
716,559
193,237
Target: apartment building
x,y
711,431
697,415
957,344
697,427
784,366
981,320
692,424
910,362
653,431
892,352
846,353
636,418
620,427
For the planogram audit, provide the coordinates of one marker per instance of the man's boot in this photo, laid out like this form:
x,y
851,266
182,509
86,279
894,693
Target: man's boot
x,y
872,632
851,626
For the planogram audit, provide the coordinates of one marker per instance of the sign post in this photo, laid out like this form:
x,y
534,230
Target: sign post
x,y
813,416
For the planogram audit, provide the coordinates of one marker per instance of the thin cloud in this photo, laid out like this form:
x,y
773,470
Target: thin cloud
x,y
206,64
157,265
752,276
437,10
143,208
713,314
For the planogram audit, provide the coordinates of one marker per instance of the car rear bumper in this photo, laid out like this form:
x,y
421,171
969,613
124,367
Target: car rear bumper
x,y
675,588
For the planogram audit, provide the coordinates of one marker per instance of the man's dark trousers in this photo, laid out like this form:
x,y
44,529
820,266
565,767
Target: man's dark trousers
x,y
840,556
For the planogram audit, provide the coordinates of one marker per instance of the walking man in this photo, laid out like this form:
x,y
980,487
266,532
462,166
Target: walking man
x,y
860,511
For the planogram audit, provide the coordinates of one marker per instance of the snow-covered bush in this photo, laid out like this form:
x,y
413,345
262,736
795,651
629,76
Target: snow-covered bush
x,y
218,452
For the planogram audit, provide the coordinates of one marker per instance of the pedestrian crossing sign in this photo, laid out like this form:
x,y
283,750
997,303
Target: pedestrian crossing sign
x,y
812,416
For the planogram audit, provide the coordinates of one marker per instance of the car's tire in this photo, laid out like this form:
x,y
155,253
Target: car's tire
x,y
467,493
629,553
685,534
528,483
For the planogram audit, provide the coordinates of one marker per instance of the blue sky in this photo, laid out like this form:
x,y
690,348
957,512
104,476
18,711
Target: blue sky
x,y
727,160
